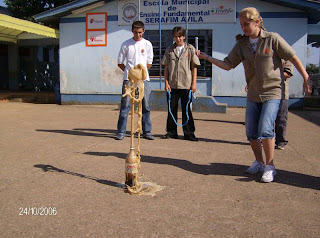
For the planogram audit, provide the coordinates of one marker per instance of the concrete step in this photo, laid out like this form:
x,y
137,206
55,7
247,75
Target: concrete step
x,y
311,102
158,102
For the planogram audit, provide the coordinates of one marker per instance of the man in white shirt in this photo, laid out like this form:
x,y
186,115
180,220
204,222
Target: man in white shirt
x,y
133,51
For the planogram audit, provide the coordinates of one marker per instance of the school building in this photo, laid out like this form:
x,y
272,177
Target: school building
x,y
28,55
92,31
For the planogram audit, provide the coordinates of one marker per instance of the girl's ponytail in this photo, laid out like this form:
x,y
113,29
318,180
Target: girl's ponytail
x,y
261,24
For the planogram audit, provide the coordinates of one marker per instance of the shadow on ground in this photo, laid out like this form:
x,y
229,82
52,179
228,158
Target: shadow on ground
x,y
312,116
283,177
222,121
111,134
84,132
50,168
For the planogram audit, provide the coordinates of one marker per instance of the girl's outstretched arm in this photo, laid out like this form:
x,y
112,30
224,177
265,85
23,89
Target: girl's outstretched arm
x,y
221,64
297,63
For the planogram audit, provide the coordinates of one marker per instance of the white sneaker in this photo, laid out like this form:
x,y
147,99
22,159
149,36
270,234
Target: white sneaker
x,y
255,167
268,174
280,147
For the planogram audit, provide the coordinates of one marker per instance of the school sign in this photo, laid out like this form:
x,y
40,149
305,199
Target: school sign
x,y
176,11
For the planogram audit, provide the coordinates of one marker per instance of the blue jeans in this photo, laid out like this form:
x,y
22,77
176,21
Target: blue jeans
x,y
125,108
260,119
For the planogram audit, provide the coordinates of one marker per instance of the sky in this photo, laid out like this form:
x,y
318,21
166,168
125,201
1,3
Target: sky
x,y
2,3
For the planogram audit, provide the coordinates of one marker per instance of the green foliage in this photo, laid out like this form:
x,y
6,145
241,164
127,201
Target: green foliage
x,y
25,9
312,69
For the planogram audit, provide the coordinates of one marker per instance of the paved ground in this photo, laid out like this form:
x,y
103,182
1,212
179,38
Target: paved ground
x,y
63,160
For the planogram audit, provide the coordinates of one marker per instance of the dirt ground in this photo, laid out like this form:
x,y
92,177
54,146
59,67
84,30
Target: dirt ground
x,y
62,175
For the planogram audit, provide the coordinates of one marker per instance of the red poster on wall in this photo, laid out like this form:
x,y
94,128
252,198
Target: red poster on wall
x,y
96,29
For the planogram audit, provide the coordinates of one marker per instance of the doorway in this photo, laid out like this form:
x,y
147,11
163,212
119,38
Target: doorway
x,y
4,75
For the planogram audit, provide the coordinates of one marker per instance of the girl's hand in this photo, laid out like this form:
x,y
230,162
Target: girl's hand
x,y
193,87
307,88
203,55
167,87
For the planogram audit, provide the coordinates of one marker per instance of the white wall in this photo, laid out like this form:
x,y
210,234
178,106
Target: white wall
x,y
93,70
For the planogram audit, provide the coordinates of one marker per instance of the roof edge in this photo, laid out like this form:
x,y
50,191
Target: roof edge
x,y
63,10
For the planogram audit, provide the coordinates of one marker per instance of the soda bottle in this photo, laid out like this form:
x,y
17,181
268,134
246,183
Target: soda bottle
x,y
131,168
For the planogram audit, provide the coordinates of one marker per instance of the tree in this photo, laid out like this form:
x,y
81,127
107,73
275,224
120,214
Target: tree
x,y
25,9
312,69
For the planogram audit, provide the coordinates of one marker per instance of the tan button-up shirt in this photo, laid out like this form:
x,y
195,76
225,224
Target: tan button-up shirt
x,y
180,75
264,69
288,68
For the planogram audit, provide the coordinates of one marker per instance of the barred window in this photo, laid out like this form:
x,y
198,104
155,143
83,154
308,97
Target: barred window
x,y
205,45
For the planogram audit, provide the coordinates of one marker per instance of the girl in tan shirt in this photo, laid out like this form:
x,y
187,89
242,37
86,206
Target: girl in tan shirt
x,y
261,53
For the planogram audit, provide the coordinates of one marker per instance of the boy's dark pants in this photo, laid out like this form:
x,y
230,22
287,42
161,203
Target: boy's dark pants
x,y
281,123
183,94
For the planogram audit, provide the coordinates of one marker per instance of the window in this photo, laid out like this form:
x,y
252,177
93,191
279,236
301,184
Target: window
x,y
205,45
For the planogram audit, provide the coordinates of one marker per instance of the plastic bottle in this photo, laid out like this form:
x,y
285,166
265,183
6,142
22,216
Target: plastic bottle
x,y
131,168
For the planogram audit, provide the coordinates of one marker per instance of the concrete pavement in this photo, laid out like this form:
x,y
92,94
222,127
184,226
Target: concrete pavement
x,y
62,175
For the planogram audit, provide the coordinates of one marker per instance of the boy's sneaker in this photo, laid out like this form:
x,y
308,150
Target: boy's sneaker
x,y
148,136
268,174
255,167
119,136
167,136
191,137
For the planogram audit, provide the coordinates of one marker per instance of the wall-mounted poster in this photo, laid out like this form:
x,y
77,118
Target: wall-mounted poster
x,y
96,29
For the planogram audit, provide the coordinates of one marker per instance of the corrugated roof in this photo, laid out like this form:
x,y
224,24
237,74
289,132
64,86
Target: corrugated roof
x,y
64,10
311,7
11,28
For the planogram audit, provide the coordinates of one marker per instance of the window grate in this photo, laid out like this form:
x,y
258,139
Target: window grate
x,y
205,45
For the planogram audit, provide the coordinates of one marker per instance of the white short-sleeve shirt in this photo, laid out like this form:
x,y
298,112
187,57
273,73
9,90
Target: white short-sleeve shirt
x,y
135,52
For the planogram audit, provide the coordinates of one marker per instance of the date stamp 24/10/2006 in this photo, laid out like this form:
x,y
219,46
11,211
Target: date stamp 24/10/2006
x,y
37,211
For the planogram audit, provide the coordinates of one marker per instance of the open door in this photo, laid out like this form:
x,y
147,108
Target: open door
x,y
4,76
